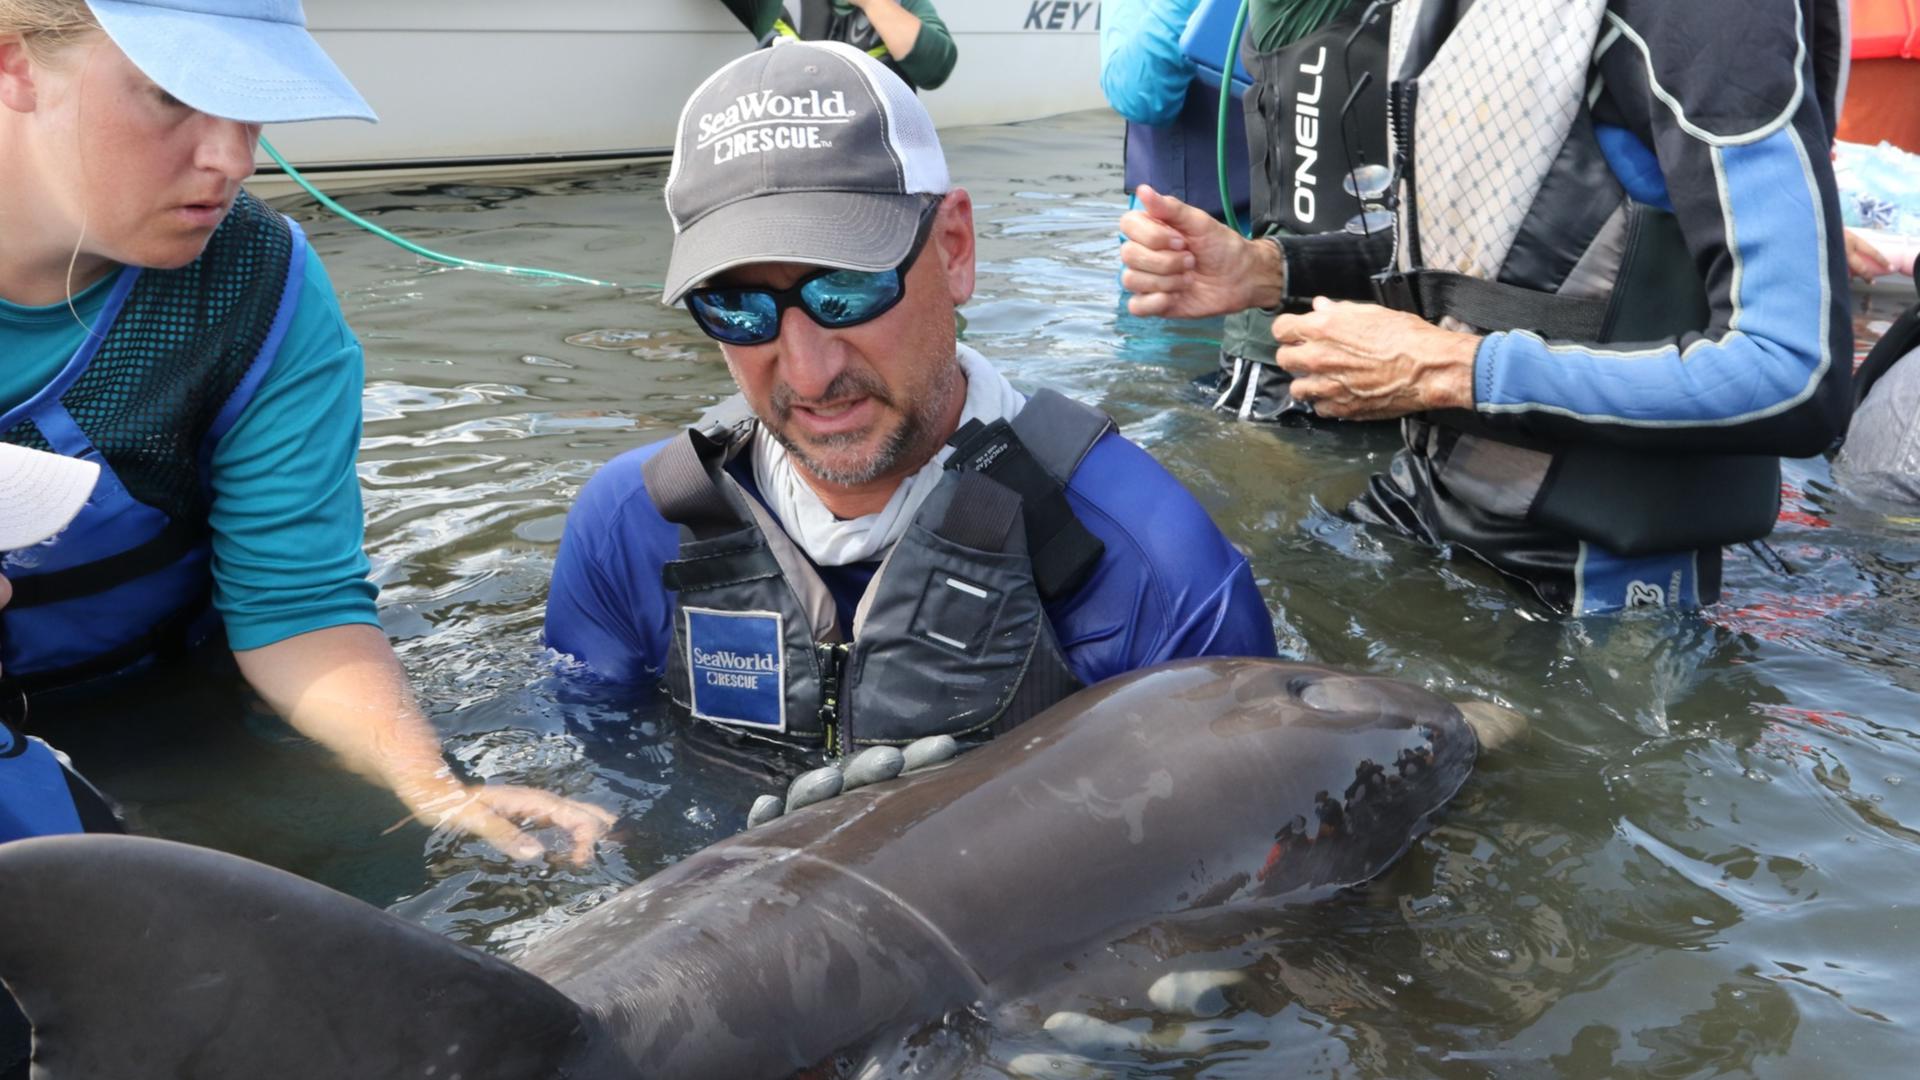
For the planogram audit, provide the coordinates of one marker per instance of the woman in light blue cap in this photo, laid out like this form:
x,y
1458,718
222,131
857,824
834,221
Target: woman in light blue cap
x,y
158,320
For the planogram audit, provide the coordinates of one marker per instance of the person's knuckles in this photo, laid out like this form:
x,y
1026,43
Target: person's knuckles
x,y
1139,281
1146,305
1160,262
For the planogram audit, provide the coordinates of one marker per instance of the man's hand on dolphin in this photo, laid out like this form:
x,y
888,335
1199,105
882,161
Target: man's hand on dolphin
x,y
1367,362
1182,264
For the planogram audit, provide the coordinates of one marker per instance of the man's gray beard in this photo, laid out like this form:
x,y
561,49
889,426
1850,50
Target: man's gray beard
x,y
905,439
884,460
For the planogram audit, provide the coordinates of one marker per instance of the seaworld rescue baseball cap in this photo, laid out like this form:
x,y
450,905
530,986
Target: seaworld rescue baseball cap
x,y
40,493
246,60
806,152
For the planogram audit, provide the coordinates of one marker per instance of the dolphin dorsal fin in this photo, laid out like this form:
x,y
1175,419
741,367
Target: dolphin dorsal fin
x,y
142,958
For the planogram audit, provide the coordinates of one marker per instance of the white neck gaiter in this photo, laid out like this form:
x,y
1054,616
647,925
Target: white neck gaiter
x,y
832,541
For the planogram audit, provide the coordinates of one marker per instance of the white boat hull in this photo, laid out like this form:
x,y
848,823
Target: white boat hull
x,y
472,86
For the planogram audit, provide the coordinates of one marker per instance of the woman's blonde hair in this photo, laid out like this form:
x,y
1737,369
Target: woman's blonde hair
x,y
48,26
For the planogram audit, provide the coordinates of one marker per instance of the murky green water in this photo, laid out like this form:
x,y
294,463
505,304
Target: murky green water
x,y
1705,862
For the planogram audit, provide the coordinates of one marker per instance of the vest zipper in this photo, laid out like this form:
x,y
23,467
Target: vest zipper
x,y
833,663
1401,99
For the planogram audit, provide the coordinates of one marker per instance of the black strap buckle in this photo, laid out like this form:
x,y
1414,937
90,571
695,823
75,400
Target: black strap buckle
x,y
1394,289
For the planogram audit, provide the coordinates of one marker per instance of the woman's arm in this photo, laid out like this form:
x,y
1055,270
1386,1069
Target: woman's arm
x,y
343,688
291,585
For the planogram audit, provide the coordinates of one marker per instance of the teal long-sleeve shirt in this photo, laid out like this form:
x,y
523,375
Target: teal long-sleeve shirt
x,y
933,55
286,517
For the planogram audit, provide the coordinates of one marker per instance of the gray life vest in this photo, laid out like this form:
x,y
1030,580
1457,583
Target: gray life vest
x,y
1511,219
950,637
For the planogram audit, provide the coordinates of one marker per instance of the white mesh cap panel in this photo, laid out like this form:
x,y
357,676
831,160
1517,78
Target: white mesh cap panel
x,y
909,128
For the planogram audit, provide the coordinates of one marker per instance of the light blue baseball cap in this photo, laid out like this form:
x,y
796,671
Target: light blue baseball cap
x,y
246,60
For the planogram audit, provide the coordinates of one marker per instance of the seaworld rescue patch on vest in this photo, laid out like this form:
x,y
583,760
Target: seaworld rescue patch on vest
x,y
734,664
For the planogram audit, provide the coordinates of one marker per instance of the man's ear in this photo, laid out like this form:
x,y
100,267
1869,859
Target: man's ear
x,y
953,240
17,90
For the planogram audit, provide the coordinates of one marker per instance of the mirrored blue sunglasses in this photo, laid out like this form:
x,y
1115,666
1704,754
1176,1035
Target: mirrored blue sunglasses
x,y
835,299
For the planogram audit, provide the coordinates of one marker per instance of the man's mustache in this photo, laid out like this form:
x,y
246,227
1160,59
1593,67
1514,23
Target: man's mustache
x,y
847,384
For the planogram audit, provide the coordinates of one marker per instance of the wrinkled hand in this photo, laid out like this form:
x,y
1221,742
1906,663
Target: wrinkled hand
x,y
496,812
1367,362
1864,261
1182,264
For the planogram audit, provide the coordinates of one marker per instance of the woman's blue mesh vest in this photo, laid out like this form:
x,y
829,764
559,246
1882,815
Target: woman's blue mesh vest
x,y
175,358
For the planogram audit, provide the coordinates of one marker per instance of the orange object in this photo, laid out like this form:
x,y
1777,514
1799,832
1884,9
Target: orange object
x,y
1886,29
1883,104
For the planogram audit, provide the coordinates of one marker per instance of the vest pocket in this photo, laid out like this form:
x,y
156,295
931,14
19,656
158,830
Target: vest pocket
x,y
945,644
1641,504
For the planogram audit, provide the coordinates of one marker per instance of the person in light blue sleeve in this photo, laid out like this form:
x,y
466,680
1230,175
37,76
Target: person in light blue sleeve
x,y
1609,292
160,322
1172,115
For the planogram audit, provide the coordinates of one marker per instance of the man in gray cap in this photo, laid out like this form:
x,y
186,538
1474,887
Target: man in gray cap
x,y
879,539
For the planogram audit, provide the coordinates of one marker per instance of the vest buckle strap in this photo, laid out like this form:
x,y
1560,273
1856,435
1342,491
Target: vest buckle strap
x,y
1063,551
1491,306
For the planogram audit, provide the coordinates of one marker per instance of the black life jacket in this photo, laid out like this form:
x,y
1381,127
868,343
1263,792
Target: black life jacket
x,y
951,636
1302,145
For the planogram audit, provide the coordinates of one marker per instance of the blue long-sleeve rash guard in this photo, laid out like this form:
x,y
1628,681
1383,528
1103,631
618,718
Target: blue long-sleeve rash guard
x,y
1169,585
1721,94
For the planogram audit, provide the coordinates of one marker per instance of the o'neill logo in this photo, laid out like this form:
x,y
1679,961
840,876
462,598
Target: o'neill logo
x,y
1306,139
762,121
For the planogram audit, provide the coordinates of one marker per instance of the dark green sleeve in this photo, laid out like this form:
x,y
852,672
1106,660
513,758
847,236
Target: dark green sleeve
x,y
1272,24
933,55
1263,22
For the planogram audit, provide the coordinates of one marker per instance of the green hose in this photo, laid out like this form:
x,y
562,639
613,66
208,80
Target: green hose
x,y
1226,102
449,260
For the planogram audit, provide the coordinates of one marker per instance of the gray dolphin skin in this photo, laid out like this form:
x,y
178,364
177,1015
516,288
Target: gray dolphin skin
x,y
1198,786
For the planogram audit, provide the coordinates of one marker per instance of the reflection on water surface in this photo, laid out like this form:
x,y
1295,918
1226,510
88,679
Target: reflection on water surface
x,y
1701,863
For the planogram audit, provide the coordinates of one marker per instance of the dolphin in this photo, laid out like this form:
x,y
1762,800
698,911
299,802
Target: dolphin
x,y
1196,787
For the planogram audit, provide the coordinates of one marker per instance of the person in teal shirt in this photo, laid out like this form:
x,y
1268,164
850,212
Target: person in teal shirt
x,y
158,320
287,524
